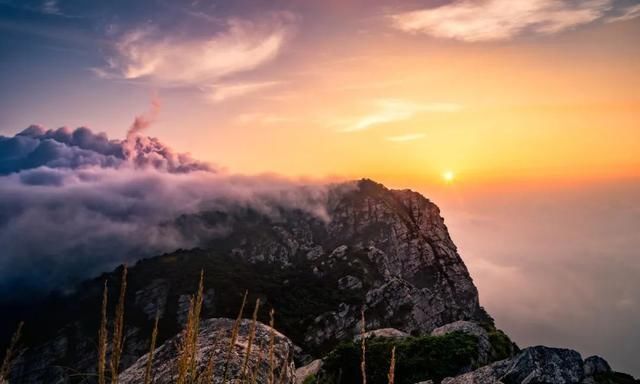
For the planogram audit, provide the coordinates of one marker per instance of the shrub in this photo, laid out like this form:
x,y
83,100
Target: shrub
x,y
417,359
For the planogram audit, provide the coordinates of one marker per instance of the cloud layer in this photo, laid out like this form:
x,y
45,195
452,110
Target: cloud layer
x,y
74,203
492,20
556,264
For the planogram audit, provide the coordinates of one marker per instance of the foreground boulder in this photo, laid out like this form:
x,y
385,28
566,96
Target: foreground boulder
x,y
213,343
538,365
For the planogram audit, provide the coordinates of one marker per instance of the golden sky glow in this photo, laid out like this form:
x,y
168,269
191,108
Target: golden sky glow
x,y
396,93
401,108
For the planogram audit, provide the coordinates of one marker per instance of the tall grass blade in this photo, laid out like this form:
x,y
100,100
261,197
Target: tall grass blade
x,y
252,334
118,329
154,334
392,366
103,336
363,364
234,337
272,342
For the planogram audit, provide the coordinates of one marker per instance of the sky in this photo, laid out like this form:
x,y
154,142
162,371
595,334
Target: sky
x,y
520,119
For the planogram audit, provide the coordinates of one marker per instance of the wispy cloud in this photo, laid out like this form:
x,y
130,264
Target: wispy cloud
x,y
391,110
628,13
178,60
221,92
405,138
500,19
51,7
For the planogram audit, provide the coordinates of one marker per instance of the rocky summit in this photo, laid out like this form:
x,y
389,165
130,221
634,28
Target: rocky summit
x,y
387,252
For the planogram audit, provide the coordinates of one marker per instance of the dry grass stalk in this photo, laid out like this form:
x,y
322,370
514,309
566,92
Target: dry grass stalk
x,y
207,376
184,361
392,366
8,356
252,334
283,368
272,342
152,347
234,337
118,329
103,336
254,372
197,310
363,364
187,357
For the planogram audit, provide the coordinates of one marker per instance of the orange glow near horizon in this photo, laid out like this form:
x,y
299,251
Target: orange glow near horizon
x,y
536,111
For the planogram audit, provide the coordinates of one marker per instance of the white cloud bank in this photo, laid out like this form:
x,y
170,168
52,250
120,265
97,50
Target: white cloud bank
x,y
493,20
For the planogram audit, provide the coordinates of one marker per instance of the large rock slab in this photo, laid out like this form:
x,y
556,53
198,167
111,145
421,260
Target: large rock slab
x,y
534,365
213,342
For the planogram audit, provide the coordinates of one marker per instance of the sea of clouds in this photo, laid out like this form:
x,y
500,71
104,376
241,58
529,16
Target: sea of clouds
x,y
74,203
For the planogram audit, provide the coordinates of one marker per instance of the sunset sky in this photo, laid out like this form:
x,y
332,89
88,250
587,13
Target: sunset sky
x,y
490,90
520,119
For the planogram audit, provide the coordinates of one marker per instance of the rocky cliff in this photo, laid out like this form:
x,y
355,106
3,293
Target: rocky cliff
x,y
386,250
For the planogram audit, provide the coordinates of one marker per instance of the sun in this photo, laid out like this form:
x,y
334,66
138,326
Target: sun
x,y
448,176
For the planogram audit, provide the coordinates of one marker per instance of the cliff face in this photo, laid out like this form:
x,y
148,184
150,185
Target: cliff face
x,y
386,250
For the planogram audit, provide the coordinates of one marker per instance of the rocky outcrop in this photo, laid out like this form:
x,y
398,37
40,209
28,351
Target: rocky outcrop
x,y
537,365
213,345
596,365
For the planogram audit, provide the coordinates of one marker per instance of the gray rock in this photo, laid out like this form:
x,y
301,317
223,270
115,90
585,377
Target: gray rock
x,y
213,342
594,365
545,365
349,283
534,365
152,299
387,333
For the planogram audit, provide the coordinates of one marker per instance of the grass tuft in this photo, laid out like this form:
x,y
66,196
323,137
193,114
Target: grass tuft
x,y
187,357
118,329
